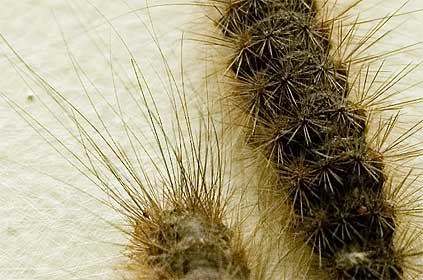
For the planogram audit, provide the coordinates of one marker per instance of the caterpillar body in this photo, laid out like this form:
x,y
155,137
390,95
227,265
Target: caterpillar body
x,y
295,86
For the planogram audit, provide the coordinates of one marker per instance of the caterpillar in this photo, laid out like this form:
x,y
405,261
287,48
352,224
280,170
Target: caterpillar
x,y
294,84
57,247
166,179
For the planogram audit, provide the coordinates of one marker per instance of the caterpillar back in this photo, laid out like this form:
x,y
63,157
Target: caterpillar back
x,y
295,87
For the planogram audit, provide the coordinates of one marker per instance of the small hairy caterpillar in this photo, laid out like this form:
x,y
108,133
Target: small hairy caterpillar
x,y
55,258
166,178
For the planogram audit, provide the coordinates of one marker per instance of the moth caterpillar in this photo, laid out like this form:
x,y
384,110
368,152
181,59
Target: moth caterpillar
x,y
165,178
295,86
53,232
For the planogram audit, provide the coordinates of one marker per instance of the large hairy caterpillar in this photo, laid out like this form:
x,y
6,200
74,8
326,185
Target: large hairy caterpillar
x,y
52,231
296,87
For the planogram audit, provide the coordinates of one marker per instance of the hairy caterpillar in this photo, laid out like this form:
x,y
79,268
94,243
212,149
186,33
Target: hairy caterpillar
x,y
167,179
97,263
295,85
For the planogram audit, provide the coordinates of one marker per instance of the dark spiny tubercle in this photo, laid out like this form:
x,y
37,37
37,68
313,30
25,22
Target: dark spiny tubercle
x,y
297,96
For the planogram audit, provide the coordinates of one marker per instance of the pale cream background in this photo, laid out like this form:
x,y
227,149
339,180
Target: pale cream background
x,y
52,230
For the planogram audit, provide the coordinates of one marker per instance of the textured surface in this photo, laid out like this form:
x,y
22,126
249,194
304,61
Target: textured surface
x,y
50,229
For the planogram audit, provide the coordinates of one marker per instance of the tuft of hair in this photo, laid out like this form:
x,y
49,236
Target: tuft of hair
x,y
179,227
